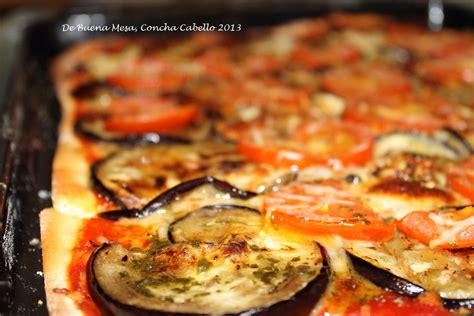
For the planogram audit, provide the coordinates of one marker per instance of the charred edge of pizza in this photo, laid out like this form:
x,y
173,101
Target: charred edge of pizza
x,y
173,193
127,140
443,143
385,279
100,187
460,303
176,234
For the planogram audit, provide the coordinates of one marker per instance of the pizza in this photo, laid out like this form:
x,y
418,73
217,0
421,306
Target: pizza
x,y
323,166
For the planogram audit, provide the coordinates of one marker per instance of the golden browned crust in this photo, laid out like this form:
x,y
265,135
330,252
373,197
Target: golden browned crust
x,y
58,236
71,192
71,189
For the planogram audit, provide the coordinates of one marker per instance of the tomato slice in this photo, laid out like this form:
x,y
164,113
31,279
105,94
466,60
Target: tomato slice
x,y
450,229
365,83
145,114
262,96
148,74
423,113
332,143
450,71
426,43
325,209
391,304
217,63
262,63
326,56
461,179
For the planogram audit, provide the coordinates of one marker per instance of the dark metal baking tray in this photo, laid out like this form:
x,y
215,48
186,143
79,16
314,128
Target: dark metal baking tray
x,y
31,114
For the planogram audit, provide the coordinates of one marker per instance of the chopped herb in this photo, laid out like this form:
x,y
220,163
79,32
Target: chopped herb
x,y
203,265
123,274
195,243
254,247
157,244
265,276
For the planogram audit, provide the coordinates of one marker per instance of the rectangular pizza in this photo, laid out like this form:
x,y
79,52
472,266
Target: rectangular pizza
x,y
323,166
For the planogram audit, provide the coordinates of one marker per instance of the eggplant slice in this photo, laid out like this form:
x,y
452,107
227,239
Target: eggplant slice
x,y
138,175
435,270
444,143
385,279
176,192
215,223
207,278
92,128
96,89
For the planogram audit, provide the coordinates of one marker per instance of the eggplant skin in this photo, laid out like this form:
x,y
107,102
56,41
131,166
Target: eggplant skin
x,y
436,270
175,192
125,139
303,302
455,304
98,185
463,142
91,89
384,278
443,143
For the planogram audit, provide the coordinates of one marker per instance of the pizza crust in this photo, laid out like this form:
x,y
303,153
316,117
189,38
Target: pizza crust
x,y
58,236
71,192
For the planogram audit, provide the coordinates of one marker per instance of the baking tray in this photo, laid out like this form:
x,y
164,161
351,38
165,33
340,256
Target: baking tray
x,y
31,114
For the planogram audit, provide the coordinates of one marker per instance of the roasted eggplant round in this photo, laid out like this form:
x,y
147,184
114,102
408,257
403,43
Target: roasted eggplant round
x,y
227,278
385,279
443,143
92,128
216,223
138,175
175,193
432,269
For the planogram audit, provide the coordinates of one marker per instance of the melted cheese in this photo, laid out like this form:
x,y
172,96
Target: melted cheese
x,y
448,236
